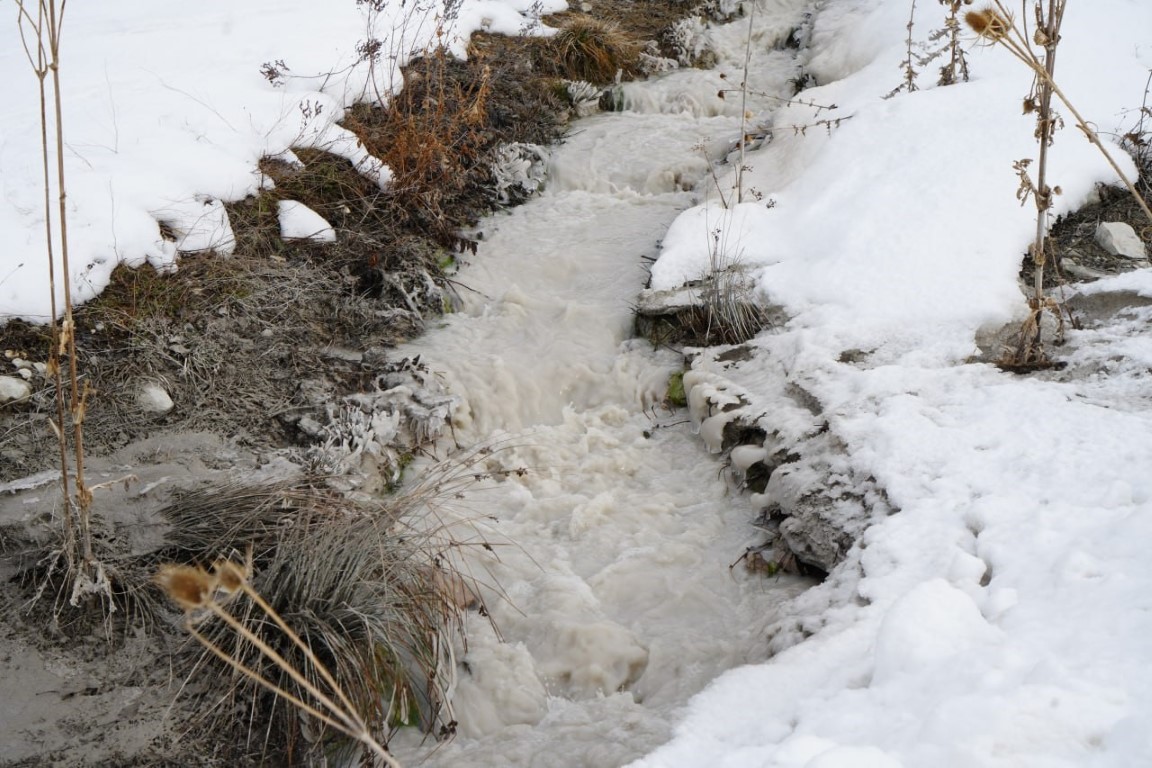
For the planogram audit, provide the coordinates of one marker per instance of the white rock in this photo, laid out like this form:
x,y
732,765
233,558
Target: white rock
x,y
1119,239
13,389
299,222
153,398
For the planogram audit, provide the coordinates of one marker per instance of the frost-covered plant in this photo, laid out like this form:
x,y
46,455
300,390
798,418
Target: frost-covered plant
x,y
373,433
519,171
584,96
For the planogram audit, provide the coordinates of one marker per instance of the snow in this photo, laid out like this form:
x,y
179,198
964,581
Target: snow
x,y
299,222
166,114
1000,616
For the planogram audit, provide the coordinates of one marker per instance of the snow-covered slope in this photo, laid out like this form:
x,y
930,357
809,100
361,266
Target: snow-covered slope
x,y
997,610
169,106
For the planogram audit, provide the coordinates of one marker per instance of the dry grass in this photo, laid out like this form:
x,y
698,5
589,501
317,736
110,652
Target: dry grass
x,y
594,50
336,596
439,136
206,594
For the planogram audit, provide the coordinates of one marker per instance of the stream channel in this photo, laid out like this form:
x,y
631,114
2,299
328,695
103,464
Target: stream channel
x,y
610,594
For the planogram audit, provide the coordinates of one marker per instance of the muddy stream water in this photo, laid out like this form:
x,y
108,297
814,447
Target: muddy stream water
x,y
610,594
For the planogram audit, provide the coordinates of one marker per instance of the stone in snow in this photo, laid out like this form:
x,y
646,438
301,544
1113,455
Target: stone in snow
x,y
153,398
1119,239
13,389
299,222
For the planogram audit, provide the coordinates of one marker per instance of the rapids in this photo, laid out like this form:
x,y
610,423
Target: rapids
x,y
609,584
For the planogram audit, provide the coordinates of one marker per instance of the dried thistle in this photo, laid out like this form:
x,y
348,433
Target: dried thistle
x,y
198,593
989,23
188,586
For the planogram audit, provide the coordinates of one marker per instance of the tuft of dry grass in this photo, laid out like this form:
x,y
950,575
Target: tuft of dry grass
x,y
335,597
206,594
594,50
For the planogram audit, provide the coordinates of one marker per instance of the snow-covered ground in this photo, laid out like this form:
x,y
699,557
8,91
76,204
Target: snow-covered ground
x,y
168,107
1000,615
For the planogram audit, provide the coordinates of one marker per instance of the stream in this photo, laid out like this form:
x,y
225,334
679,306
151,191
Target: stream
x,y
608,584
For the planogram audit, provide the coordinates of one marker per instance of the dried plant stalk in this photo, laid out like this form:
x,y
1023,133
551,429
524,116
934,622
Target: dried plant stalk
x,y
40,30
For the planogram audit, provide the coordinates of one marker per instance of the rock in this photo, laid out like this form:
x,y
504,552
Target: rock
x,y
1119,239
13,389
1075,269
154,399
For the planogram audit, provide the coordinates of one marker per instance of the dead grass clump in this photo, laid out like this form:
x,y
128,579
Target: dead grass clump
x,y
594,50
338,601
432,137
138,296
706,325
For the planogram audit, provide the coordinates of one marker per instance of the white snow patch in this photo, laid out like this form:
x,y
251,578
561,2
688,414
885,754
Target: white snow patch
x,y
299,222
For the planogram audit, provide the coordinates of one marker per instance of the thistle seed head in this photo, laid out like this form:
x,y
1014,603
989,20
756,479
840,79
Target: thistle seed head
x,y
229,576
189,587
988,23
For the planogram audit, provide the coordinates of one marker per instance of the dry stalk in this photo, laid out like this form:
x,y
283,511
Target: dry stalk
x,y
744,106
910,59
1036,49
956,70
997,26
40,31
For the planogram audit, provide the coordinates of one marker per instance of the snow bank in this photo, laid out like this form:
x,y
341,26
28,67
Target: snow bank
x,y
1000,616
167,112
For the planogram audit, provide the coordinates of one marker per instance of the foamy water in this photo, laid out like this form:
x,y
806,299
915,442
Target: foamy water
x,y
610,590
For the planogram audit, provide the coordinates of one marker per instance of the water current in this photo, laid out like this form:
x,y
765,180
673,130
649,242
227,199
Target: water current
x,y
610,594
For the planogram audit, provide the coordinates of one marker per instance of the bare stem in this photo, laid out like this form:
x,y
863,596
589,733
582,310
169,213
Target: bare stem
x,y
1019,48
744,106
1044,130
